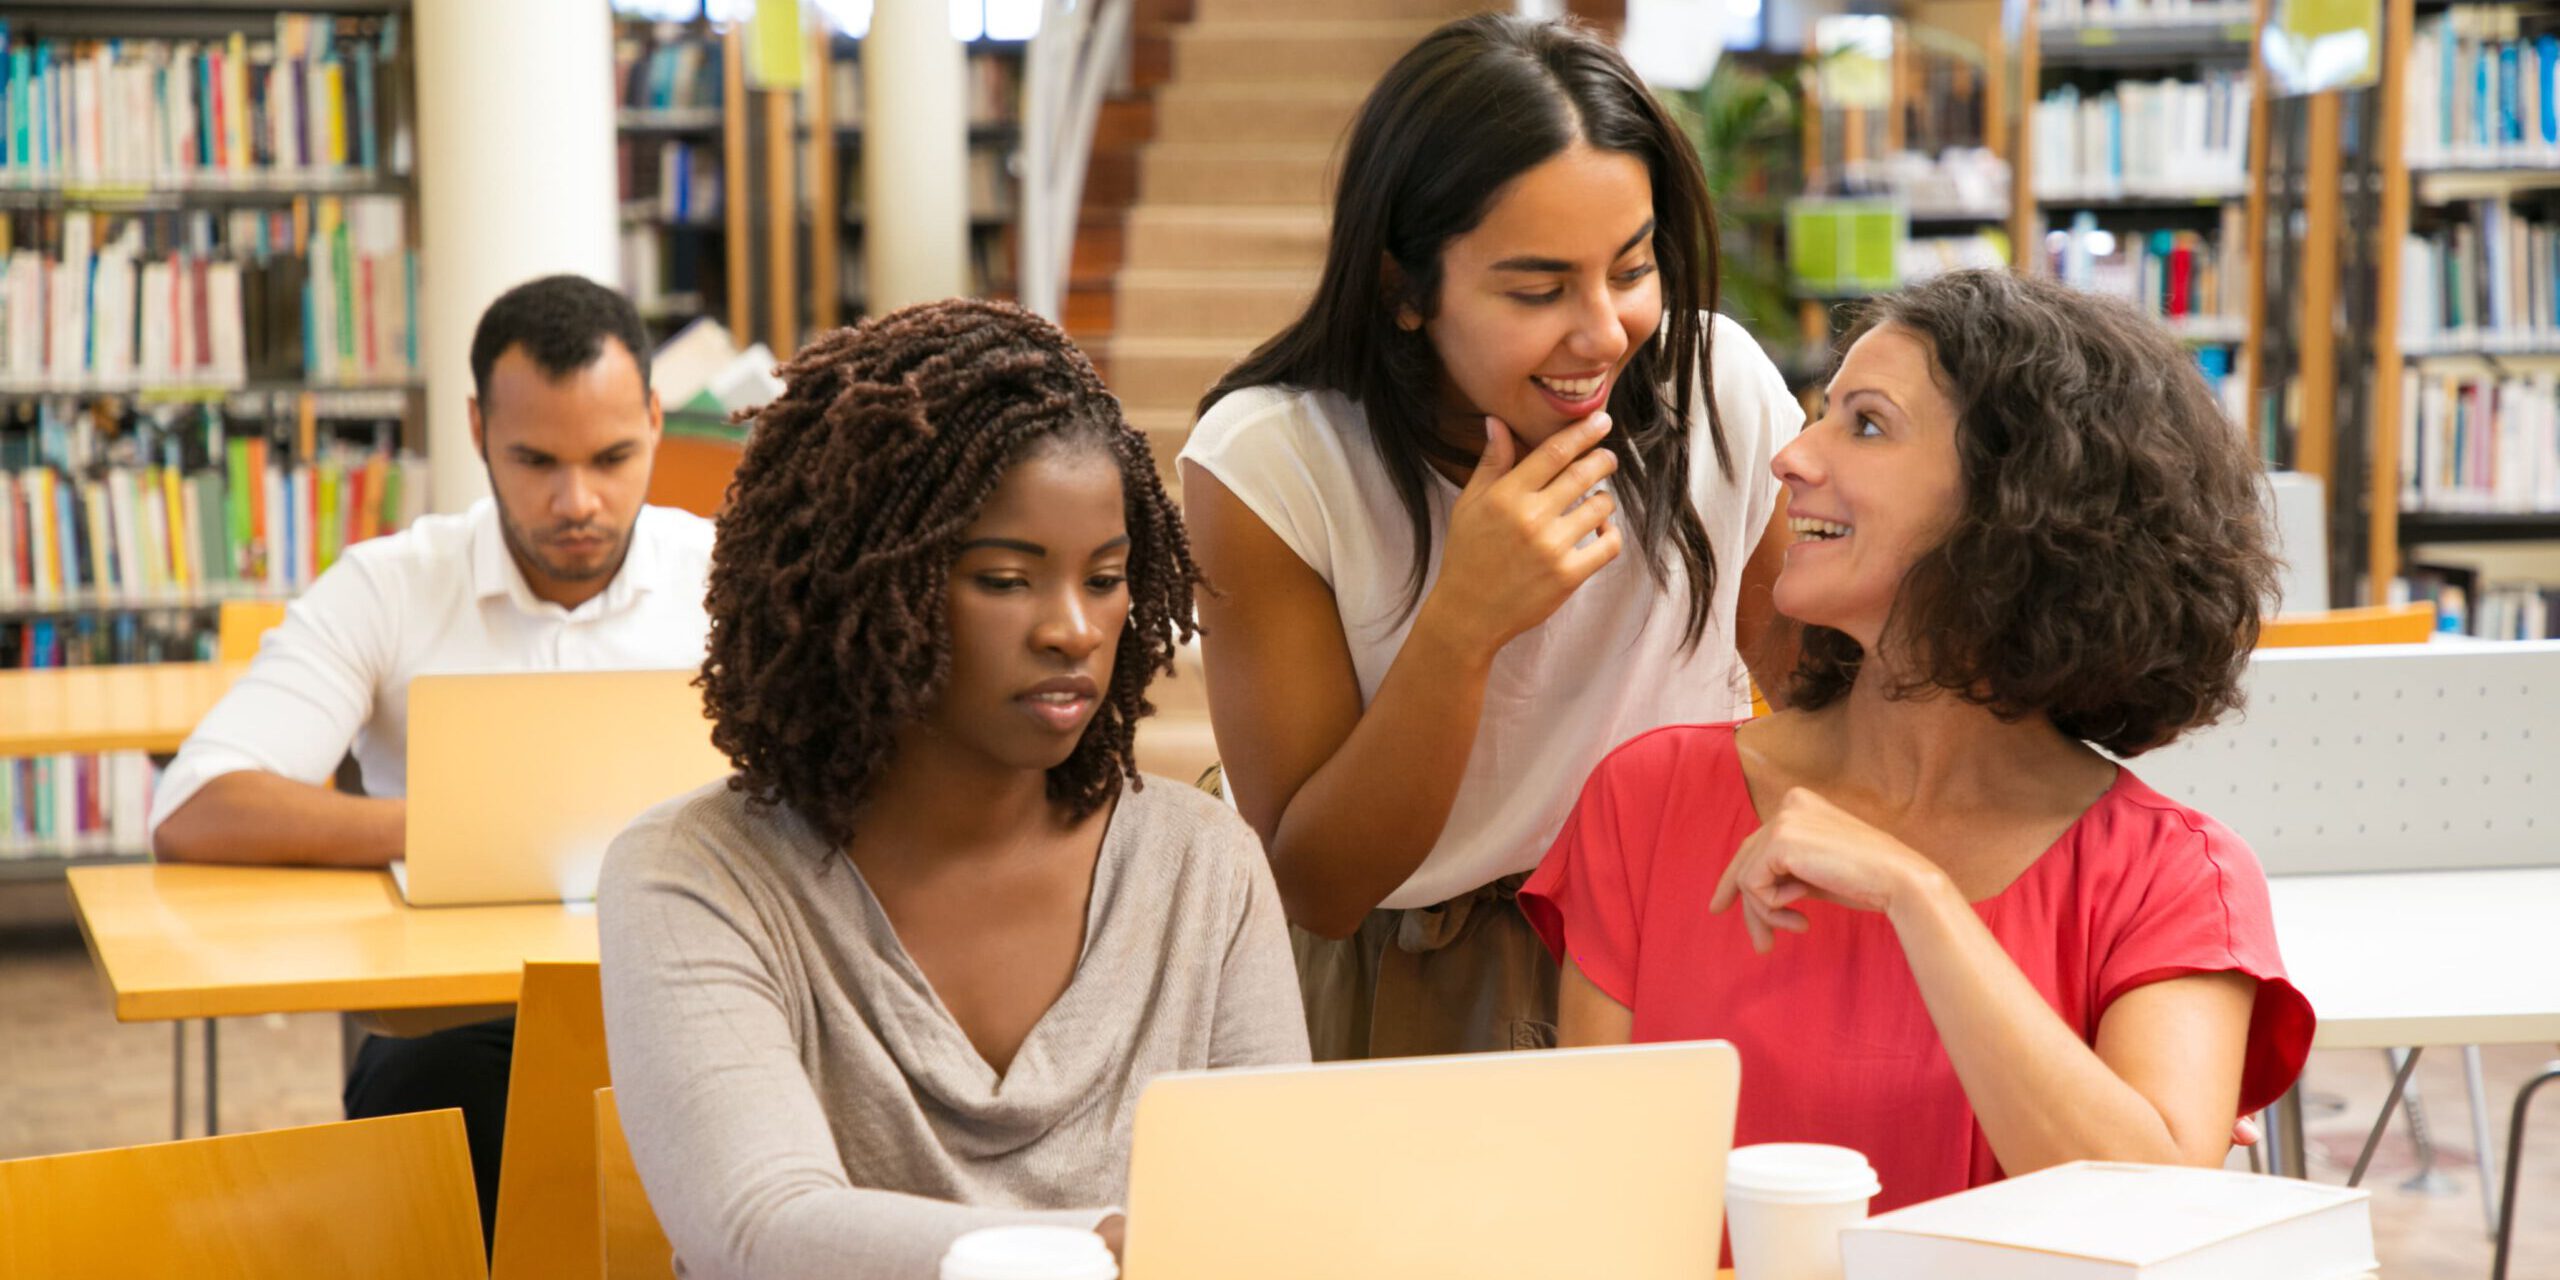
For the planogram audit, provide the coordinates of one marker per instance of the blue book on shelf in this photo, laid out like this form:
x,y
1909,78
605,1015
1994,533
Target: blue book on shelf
x,y
2510,97
2481,83
2546,51
361,70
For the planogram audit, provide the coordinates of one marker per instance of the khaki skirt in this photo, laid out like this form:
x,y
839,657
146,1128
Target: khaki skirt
x,y
1466,976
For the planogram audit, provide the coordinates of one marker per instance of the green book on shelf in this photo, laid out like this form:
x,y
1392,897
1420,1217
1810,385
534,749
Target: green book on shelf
x,y
239,488
1837,246
330,477
213,529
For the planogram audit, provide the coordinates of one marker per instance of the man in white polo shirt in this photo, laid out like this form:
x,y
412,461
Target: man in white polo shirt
x,y
564,568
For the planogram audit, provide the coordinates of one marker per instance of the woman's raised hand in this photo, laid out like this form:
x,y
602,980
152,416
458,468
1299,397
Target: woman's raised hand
x,y
1809,847
1516,544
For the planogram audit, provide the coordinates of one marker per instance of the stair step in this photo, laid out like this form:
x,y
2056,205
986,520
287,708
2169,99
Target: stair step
x,y
1305,113
1177,302
1260,52
1218,12
1236,173
1169,374
1171,235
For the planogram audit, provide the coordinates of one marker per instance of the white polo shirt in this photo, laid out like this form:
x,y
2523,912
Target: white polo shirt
x,y
443,596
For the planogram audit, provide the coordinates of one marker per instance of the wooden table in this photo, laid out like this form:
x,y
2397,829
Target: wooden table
x,y
216,942
143,707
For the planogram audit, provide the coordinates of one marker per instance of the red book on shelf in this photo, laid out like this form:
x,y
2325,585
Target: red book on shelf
x,y
2182,264
365,313
218,154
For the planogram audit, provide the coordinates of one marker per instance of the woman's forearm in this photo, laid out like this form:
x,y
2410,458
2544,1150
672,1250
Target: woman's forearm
x,y
1365,819
2042,1095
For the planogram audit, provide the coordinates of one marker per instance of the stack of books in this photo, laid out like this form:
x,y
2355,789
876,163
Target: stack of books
x,y
2481,91
185,511
170,114
2488,283
2168,138
324,291
82,805
2479,443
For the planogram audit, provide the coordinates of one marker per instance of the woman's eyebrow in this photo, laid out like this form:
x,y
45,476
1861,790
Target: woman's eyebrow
x,y
1554,266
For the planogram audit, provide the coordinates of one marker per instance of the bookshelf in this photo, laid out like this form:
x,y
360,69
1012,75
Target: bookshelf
x,y
2464,418
1897,193
686,141
2135,165
208,354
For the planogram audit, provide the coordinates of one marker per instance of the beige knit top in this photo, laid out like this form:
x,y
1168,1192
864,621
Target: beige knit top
x,y
800,1103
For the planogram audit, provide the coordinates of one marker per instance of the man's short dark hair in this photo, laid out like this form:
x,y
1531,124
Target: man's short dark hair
x,y
561,322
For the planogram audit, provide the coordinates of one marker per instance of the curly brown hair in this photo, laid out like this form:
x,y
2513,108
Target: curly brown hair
x,y
828,577
2109,559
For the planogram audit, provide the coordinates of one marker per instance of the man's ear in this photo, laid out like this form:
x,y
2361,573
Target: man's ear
x,y
479,429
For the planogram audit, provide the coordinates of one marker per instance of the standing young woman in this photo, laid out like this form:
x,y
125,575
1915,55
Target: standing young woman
x,y
1496,503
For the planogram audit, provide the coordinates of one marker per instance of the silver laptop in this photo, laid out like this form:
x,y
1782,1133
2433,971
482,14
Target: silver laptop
x,y
1575,1162
518,781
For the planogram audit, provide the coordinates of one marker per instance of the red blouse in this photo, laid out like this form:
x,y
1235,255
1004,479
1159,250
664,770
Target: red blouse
x,y
1836,1045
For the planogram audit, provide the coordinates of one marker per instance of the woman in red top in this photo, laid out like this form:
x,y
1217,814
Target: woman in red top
x,y
2024,530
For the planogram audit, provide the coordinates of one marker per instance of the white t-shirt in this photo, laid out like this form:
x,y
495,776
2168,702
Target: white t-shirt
x,y
1605,667
442,595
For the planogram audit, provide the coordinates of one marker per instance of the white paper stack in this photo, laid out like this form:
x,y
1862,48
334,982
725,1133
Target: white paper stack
x,y
2097,1221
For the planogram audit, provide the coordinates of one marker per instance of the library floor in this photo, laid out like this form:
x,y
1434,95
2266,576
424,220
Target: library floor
x,y
72,1078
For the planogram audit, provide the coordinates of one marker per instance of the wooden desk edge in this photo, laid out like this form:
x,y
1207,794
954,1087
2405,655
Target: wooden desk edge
x,y
346,995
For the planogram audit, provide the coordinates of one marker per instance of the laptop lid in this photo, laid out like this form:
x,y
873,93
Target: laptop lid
x,y
518,780
1577,1162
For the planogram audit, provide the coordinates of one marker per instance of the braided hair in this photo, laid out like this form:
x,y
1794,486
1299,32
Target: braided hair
x,y
828,577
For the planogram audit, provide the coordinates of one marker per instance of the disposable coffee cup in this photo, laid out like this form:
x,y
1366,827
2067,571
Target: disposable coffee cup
x,y
1785,1204
1029,1253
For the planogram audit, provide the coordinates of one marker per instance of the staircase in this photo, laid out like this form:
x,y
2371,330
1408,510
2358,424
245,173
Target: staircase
x,y
1225,237
1226,171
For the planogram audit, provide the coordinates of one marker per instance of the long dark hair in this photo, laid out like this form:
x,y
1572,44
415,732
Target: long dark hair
x,y
1475,105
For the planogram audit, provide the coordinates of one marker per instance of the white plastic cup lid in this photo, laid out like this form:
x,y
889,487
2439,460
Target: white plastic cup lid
x,y
1029,1253
1799,1173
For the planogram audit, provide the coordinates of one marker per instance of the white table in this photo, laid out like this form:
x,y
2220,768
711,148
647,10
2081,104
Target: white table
x,y
2412,959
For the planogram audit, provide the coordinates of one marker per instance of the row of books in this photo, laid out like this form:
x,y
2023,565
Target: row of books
x,y
2489,282
2144,138
2196,282
668,271
325,292
666,67
671,180
110,638
2481,90
994,90
2052,14
154,534
2477,442
177,112
81,805
2515,611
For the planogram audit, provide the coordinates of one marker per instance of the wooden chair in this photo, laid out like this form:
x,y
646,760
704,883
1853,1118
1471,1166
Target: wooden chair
x,y
389,1197
547,1178
2384,624
632,1245
241,624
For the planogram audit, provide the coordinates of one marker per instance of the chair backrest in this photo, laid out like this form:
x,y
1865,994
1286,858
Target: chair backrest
x,y
240,624
389,1197
2383,758
632,1244
547,1183
2383,624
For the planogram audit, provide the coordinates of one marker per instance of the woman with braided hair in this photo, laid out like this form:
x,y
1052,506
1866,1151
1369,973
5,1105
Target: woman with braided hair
x,y
903,975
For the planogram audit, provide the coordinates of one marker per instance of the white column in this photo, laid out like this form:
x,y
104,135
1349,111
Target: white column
x,y
515,180
915,156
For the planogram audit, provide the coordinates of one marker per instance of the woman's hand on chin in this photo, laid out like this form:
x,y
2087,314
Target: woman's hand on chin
x,y
1809,847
